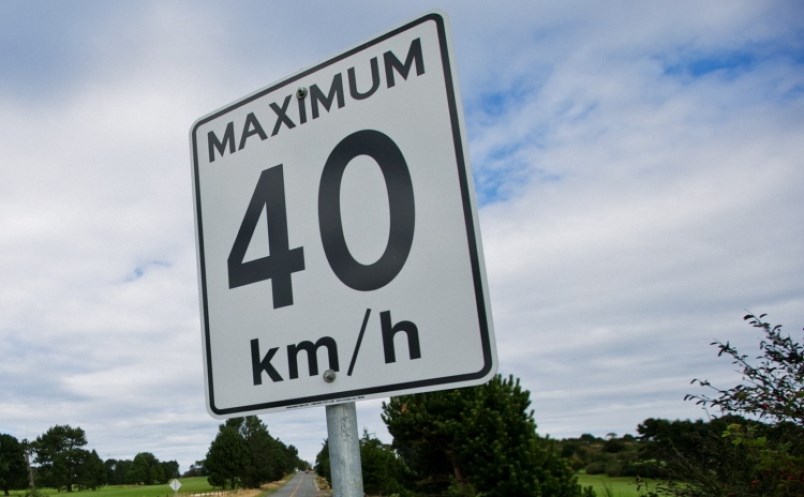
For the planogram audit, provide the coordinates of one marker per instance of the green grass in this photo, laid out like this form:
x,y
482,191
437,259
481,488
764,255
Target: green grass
x,y
188,486
608,486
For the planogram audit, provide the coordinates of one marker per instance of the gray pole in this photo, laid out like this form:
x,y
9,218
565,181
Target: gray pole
x,y
344,450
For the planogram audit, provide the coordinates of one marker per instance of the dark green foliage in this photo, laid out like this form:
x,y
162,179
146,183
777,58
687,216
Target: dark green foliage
x,y
59,455
146,469
384,472
116,471
322,467
245,454
92,473
612,456
479,440
730,455
13,471
196,469
170,469
762,455
226,458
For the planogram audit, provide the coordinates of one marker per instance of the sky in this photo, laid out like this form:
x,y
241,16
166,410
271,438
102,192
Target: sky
x,y
639,168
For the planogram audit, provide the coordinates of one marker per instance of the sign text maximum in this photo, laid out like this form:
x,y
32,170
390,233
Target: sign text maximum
x,y
284,115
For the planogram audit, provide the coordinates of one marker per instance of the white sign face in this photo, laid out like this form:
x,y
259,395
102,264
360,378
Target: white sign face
x,y
175,485
338,243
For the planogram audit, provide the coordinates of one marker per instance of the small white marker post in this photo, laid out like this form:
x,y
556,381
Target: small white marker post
x,y
344,450
175,485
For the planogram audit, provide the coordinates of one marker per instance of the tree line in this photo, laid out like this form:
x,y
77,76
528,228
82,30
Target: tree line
x,y
483,441
58,459
243,454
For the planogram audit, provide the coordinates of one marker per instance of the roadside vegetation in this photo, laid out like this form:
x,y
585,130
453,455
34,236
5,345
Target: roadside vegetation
x,y
189,486
483,441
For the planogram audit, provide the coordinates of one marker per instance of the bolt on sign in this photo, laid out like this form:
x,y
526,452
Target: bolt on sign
x,y
338,244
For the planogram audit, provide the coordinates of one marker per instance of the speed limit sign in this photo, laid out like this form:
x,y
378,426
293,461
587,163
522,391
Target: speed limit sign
x,y
338,245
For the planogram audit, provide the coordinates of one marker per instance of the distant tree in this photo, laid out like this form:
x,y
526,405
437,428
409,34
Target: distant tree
x,y
146,468
322,467
13,470
196,469
117,471
59,455
92,473
170,469
244,453
479,440
614,456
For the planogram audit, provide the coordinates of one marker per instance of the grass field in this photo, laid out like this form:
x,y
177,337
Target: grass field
x,y
189,486
607,486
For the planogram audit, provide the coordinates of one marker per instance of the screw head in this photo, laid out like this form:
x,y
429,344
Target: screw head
x,y
301,92
329,376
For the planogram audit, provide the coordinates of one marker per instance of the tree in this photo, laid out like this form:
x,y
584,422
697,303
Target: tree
x,y
196,469
244,453
170,469
59,454
13,470
264,456
117,471
772,390
479,440
382,470
756,446
92,473
146,469
322,466
226,457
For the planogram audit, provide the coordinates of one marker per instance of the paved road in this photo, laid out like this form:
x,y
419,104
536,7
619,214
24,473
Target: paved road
x,y
301,485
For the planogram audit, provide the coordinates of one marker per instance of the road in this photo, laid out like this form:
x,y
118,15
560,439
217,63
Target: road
x,y
301,485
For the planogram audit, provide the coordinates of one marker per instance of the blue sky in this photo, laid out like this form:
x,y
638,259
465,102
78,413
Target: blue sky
x,y
638,165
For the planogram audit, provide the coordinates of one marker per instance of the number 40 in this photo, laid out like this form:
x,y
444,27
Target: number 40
x,y
283,261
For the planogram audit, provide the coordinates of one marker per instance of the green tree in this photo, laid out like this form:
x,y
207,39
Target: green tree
x,y
756,447
146,468
322,467
382,470
92,473
479,440
117,471
170,469
226,457
59,455
244,453
13,470
772,389
264,455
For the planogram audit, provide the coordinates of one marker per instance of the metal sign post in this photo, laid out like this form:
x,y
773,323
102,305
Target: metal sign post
x,y
344,450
